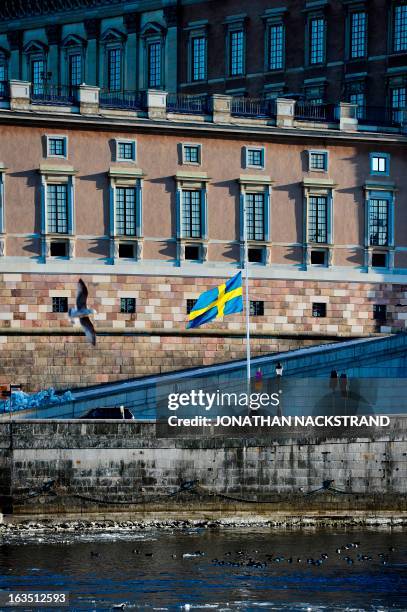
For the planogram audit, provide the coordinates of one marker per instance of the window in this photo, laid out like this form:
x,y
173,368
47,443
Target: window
x,y
114,69
255,255
317,40
198,62
359,99
254,157
59,304
3,75
154,64
126,250
318,160
192,252
379,312
37,76
57,209
400,28
319,309
56,146
236,52
256,308
255,216
318,258
317,219
190,305
191,154
128,305
358,34
378,222
125,211
75,70
276,44
379,260
379,163
58,248
398,101
191,214
125,150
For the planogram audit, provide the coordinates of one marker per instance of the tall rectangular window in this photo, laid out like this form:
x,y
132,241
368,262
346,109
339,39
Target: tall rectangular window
x,y
255,216
114,70
37,76
236,52
400,28
359,99
317,40
125,211
358,34
198,58
3,76
75,70
57,209
318,219
154,64
398,101
276,46
191,214
378,222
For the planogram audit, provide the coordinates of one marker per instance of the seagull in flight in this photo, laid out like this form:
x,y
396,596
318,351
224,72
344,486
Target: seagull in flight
x,y
82,312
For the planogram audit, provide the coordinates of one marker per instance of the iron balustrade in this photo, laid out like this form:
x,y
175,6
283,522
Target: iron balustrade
x,y
381,116
54,94
128,100
253,107
309,111
184,103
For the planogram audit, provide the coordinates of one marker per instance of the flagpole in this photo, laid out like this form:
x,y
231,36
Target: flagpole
x,y
247,302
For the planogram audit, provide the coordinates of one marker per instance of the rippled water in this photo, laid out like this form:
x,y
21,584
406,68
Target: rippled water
x,y
102,570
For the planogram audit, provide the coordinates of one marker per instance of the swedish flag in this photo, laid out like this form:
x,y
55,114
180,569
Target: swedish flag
x,y
215,303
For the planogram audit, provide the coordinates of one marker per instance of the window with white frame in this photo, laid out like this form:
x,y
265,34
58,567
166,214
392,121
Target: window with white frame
x,y
125,150
378,221
276,46
191,154
358,34
126,211
191,213
57,208
154,64
236,52
254,157
318,160
255,209
400,28
198,58
317,27
57,146
318,218
380,163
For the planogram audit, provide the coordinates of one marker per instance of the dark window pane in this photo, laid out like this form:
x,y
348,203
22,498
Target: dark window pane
x,y
114,69
256,308
276,46
255,216
199,58
154,64
191,214
236,52
319,309
128,305
59,304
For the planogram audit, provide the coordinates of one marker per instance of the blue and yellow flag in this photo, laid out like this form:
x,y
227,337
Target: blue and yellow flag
x,y
215,303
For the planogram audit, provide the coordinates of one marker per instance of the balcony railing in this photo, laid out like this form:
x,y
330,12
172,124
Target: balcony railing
x,y
127,100
4,90
184,103
309,111
381,116
54,94
253,107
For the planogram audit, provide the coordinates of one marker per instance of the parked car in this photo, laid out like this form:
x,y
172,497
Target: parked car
x,y
118,412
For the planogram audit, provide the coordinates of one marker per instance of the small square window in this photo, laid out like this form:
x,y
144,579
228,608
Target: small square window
x,y
380,312
126,250
190,305
128,305
256,308
379,164
318,258
319,309
56,146
379,260
192,252
58,249
318,160
255,157
59,304
126,150
255,255
191,154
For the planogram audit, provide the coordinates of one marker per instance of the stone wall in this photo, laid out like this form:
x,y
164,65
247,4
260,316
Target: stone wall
x,y
81,466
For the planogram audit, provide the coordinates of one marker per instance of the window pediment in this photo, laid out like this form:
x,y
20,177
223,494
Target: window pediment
x,y
152,29
72,40
113,35
35,46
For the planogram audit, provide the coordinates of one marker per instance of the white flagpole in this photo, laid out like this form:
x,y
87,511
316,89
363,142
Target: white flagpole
x,y
247,302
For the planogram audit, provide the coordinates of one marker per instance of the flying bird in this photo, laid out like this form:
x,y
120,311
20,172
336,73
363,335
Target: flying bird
x,y
82,312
